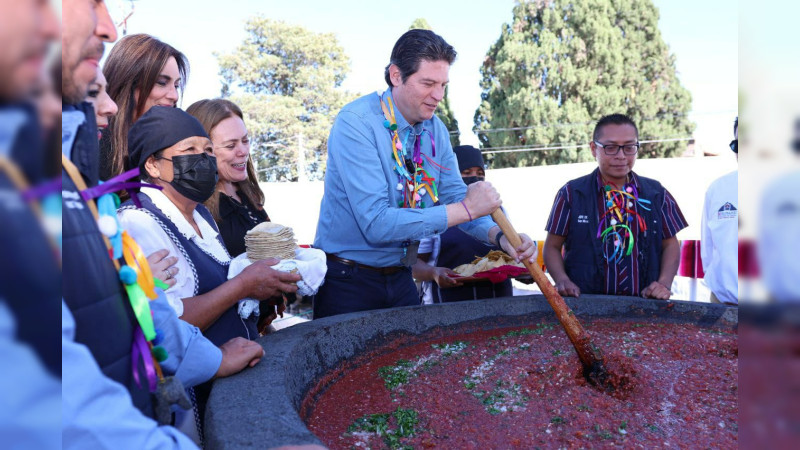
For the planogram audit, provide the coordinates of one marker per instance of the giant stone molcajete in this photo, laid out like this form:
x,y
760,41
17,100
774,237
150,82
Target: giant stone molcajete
x,y
258,408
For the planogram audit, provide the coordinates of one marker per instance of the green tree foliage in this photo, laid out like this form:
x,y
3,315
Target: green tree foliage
x,y
285,79
444,111
560,65
420,24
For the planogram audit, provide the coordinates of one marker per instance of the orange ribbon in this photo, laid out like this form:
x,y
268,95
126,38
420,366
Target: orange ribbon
x,y
135,258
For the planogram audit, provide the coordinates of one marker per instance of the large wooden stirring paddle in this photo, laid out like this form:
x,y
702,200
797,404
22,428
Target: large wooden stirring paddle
x,y
593,366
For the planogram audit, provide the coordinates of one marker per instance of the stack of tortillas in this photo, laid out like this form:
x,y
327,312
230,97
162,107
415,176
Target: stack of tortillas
x,y
270,240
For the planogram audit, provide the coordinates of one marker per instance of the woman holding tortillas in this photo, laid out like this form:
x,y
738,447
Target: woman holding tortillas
x,y
173,152
237,203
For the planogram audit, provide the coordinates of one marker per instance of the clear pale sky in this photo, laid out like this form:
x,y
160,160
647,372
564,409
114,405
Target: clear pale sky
x,y
702,34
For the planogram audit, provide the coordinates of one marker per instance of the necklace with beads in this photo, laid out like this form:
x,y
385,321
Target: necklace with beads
x,y
413,180
616,223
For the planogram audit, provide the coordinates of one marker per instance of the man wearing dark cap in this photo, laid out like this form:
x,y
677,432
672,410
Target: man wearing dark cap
x,y
391,180
470,163
454,248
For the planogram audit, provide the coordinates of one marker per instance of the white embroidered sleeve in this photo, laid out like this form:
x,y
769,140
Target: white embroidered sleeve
x,y
151,238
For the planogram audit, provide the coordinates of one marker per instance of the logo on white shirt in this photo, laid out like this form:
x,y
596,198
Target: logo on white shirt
x,y
728,211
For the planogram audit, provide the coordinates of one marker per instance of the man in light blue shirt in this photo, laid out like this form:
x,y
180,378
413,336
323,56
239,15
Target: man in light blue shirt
x,y
391,180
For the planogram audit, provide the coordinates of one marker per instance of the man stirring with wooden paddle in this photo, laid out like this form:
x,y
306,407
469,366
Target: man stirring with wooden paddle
x,y
391,180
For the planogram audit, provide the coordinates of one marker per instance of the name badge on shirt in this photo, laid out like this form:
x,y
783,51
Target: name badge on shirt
x,y
582,218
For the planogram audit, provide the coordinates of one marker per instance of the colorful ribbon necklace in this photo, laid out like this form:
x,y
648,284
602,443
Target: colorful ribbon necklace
x,y
135,274
412,178
616,222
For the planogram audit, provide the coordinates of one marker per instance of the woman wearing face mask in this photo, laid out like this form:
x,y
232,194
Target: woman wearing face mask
x,y
237,203
142,72
173,151
440,254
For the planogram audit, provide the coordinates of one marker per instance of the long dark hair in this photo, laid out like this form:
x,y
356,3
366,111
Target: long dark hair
x,y
134,64
210,113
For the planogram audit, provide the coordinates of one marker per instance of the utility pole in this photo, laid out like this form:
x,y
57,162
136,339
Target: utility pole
x,y
255,163
301,160
262,150
123,24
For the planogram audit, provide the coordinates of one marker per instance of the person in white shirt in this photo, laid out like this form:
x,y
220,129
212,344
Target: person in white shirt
x,y
779,233
719,234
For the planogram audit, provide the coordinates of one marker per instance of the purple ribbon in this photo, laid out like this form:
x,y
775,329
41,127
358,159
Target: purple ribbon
x,y
118,183
41,190
142,351
105,188
433,145
417,152
417,158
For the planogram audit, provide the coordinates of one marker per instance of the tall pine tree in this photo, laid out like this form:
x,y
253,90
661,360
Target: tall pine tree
x,y
444,111
285,79
560,65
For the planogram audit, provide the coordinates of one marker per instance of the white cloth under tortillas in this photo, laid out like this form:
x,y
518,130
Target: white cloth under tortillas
x,y
308,262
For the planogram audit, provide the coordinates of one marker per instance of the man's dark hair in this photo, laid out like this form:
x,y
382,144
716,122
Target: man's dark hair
x,y
613,119
413,47
735,125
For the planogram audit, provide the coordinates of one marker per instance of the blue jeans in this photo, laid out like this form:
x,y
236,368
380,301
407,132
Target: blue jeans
x,y
350,289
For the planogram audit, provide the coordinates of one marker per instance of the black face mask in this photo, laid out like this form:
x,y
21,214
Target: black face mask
x,y
194,176
470,180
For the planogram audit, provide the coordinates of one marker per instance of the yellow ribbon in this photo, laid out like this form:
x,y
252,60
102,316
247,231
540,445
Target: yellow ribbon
x,y
135,258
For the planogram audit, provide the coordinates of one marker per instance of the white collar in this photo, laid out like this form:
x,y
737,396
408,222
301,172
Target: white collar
x,y
162,202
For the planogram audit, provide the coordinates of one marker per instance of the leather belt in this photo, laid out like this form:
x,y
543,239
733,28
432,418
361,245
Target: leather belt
x,y
381,270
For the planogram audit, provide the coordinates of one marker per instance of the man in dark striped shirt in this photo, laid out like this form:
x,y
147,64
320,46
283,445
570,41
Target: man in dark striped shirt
x,y
618,229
